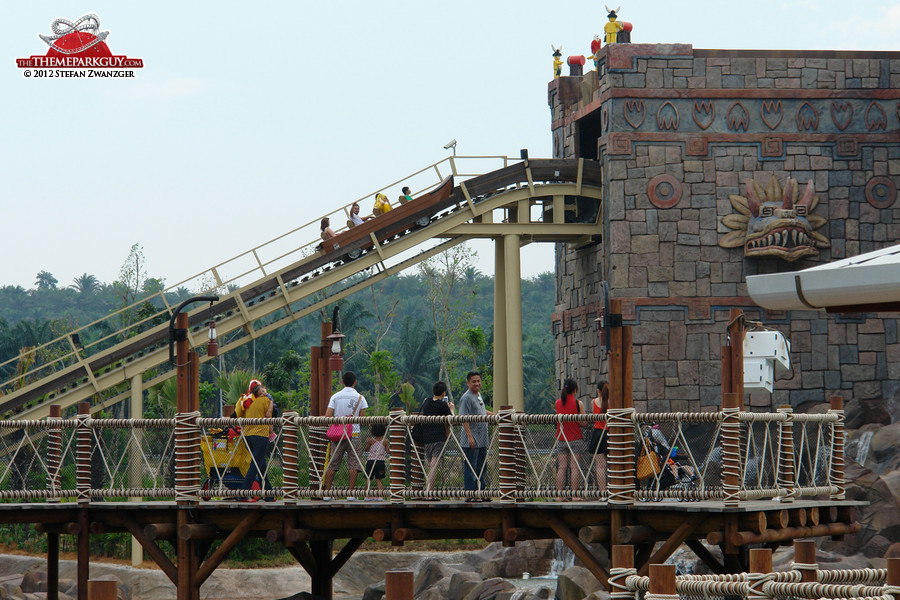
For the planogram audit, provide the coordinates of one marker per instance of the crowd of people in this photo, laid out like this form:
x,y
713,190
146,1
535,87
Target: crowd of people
x,y
572,449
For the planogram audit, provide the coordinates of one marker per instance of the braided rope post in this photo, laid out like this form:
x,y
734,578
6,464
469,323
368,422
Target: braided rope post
x,y
396,459
731,448
54,455
760,572
318,448
416,471
83,453
621,459
507,453
786,454
805,561
521,462
291,433
836,407
187,457
621,568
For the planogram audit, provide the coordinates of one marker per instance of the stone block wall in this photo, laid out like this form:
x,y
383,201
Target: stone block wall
x,y
679,133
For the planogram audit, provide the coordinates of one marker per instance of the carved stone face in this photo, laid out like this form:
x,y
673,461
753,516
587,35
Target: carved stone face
x,y
775,222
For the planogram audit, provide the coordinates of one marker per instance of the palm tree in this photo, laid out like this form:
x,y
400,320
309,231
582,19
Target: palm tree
x,y
415,355
45,281
85,284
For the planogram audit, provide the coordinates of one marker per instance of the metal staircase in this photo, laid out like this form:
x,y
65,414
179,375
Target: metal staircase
x,y
286,279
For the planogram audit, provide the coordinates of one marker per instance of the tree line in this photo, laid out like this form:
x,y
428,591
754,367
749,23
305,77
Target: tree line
x,y
434,322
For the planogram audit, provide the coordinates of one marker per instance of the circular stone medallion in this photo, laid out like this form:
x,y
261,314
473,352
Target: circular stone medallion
x,y
881,192
664,191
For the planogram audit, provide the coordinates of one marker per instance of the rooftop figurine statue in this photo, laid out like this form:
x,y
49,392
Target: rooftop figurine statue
x,y
557,61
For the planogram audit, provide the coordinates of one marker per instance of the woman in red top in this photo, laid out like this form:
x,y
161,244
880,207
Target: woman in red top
x,y
570,444
599,438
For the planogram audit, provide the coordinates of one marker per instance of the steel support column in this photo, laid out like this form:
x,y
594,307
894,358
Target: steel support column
x,y
501,357
513,278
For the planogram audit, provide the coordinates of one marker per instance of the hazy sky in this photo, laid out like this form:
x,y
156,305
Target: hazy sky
x,y
249,118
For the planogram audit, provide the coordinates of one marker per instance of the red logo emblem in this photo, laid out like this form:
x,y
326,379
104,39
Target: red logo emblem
x,y
78,44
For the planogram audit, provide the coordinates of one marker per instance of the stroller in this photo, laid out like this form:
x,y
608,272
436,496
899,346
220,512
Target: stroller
x,y
658,467
226,459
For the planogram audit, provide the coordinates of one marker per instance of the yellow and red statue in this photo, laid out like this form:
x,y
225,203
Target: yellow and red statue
x,y
557,61
612,28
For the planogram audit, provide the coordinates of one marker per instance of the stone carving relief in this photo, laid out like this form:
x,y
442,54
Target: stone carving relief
x,y
876,118
634,112
704,113
841,114
738,119
771,112
775,221
667,116
807,118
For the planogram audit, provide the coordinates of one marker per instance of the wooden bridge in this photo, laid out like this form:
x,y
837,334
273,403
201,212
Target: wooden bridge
x,y
737,479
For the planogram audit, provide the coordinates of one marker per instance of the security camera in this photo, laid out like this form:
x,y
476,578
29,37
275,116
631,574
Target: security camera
x,y
450,144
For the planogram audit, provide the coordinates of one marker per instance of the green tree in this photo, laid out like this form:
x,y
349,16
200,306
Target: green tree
x,y
475,343
45,281
384,377
450,301
85,284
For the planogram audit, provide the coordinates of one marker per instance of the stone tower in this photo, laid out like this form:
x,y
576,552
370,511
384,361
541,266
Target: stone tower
x,y
682,134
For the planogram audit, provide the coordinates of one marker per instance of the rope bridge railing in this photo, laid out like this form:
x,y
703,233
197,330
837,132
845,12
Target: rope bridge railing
x,y
621,457
803,580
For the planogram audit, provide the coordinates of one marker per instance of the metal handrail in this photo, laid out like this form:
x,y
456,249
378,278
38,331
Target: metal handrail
x,y
211,279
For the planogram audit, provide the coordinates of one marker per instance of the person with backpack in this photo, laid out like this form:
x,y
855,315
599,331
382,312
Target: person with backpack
x,y
435,434
256,404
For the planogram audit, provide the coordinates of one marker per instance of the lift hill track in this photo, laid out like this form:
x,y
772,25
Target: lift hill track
x,y
311,280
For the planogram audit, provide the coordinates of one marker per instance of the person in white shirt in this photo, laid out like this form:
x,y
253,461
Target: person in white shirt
x,y
346,403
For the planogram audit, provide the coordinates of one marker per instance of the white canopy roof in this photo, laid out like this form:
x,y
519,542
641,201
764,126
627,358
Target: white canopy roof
x,y
866,283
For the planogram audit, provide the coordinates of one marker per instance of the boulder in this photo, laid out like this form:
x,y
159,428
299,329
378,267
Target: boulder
x,y
374,591
599,595
303,596
539,593
33,580
430,571
490,589
861,412
886,442
575,583
461,583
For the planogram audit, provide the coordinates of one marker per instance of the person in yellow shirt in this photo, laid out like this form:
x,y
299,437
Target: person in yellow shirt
x,y
256,404
382,205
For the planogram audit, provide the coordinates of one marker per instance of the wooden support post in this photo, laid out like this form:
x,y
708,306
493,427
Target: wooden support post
x,y
84,554
397,457
786,455
621,565
52,566
54,461
731,448
507,455
187,453
98,589
322,583
237,534
317,442
620,464
706,556
662,579
83,455
398,584
893,575
805,560
160,531
837,448
592,534
674,541
158,556
760,560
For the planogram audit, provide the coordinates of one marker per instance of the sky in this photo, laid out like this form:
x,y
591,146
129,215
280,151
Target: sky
x,y
247,120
